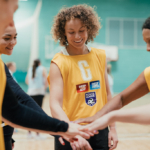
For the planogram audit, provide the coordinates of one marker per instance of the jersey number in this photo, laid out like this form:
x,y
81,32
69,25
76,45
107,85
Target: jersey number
x,y
86,73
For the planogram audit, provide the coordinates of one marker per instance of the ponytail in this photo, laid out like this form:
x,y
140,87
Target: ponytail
x,y
35,65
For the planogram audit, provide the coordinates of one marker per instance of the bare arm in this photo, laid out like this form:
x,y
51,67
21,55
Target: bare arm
x,y
56,93
136,90
138,115
45,78
56,102
112,136
109,96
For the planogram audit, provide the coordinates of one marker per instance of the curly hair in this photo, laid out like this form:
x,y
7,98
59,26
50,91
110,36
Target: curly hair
x,y
85,13
146,24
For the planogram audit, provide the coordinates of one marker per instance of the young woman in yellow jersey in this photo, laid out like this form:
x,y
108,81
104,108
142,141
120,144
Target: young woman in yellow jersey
x,y
7,9
78,76
7,43
139,88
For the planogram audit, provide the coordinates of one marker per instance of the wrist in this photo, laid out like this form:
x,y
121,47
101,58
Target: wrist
x,y
112,127
111,119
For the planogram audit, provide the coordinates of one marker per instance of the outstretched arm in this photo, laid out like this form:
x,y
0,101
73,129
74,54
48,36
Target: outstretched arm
x,y
17,115
136,90
138,115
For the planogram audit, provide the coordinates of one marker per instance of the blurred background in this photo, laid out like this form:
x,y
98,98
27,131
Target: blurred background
x,y
120,36
121,27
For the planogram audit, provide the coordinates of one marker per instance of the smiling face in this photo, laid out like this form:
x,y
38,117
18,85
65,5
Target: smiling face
x,y
146,38
7,9
76,33
8,40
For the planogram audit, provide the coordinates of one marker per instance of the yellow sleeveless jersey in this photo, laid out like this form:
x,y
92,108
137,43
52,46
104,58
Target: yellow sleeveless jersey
x,y
147,76
2,89
84,92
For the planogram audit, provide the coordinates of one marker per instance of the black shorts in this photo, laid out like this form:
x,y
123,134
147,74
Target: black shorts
x,y
38,99
97,142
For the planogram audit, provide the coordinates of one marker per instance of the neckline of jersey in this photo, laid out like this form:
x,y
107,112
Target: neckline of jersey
x,y
90,51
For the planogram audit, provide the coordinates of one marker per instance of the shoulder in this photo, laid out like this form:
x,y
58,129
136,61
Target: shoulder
x,y
98,51
147,76
59,58
147,72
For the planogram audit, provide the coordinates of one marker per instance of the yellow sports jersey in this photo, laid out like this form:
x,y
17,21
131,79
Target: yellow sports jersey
x,y
84,92
147,76
2,89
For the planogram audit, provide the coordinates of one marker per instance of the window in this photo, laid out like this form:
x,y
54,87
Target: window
x,y
125,33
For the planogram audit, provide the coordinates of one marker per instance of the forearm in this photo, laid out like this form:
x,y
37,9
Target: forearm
x,y
112,125
58,112
136,90
31,129
138,115
113,104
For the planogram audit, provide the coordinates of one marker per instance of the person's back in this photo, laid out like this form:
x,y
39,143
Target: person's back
x,y
36,80
36,84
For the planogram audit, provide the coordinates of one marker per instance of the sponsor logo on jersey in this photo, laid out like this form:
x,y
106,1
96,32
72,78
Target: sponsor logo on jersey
x,y
95,85
90,98
82,87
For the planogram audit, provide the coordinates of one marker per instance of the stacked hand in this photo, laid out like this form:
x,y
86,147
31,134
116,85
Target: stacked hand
x,y
73,130
100,124
77,133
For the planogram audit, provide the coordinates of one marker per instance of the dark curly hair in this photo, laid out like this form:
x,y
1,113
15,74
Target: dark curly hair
x,y
85,13
146,24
